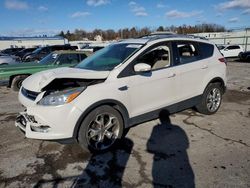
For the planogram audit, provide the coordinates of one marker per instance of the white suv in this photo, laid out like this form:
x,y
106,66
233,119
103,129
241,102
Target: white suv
x,y
231,50
121,85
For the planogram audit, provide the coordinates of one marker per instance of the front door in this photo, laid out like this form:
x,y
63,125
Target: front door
x,y
156,89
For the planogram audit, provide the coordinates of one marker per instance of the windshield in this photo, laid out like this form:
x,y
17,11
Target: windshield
x,y
37,50
109,57
49,59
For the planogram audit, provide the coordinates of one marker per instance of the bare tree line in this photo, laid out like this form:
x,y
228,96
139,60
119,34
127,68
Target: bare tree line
x,y
134,32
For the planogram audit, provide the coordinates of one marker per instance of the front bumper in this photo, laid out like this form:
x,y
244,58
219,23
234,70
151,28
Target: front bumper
x,y
48,124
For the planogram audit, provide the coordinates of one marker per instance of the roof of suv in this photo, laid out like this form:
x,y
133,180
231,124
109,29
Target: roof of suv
x,y
158,36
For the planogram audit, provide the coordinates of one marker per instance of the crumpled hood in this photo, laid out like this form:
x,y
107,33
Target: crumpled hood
x,y
39,80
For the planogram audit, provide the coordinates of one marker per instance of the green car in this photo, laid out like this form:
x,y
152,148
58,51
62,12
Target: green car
x,y
13,75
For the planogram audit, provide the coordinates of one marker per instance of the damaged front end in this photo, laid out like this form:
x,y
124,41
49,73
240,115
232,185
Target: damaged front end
x,y
62,91
42,118
60,86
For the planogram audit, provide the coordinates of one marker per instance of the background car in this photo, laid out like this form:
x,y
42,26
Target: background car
x,y
231,50
41,52
8,60
24,52
245,56
11,51
13,75
220,47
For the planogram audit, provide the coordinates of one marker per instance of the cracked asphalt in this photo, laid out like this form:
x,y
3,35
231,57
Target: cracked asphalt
x,y
187,149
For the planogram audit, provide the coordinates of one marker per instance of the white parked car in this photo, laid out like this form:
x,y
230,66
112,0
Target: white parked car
x,y
231,50
122,85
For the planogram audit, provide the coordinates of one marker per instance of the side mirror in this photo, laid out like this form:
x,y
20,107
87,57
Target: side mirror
x,y
142,67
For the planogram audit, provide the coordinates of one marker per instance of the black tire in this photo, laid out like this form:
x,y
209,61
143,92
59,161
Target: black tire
x,y
204,105
17,82
89,142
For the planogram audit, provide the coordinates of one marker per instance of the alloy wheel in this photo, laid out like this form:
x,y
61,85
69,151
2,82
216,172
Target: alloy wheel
x,y
103,131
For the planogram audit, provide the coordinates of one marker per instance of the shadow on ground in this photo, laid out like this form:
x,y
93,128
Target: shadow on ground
x,y
168,143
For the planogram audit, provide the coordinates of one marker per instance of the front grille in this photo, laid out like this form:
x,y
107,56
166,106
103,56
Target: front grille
x,y
29,94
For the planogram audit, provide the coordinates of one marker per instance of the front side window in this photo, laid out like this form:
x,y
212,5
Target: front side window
x,y
157,58
109,57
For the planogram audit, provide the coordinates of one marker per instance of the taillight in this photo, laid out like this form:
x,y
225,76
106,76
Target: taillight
x,y
223,60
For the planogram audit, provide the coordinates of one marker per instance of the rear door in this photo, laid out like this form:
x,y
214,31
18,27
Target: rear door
x,y
191,67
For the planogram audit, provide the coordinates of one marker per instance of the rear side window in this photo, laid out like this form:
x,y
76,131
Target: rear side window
x,y
188,52
206,50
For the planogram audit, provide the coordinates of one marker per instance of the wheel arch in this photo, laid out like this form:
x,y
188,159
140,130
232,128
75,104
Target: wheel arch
x,y
217,80
15,75
110,102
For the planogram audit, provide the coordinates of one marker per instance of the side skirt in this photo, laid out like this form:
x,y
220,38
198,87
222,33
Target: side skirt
x,y
189,103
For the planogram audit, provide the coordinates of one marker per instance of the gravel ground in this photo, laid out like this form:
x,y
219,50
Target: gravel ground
x,y
190,150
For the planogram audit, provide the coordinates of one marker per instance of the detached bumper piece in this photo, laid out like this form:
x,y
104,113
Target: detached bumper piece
x,y
25,121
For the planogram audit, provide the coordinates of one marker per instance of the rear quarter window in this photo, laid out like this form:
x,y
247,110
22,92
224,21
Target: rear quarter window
x,y
206,50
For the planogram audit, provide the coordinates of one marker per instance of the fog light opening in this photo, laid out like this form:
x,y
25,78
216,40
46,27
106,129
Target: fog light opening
x,y
23,121
41,129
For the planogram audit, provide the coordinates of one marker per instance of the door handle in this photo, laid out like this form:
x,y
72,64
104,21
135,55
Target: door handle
x,y
123,88
171,75
204,67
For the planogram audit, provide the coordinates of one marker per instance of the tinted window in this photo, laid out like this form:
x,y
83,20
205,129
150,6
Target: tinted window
x,y
206,50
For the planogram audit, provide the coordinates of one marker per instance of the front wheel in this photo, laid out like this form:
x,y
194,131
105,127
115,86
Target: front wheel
x,y
211,99
101,129
17,82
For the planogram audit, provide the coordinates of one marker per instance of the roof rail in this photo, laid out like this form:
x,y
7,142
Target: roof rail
x,y
161,35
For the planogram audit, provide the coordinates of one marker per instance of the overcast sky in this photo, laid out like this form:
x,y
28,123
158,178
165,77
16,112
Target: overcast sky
x,y
35,17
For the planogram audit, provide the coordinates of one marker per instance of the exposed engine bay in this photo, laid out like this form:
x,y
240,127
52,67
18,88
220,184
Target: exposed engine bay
x,y
61,84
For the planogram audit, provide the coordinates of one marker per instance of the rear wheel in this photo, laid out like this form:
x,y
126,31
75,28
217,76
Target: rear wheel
x,y
211,99
101,129
17,82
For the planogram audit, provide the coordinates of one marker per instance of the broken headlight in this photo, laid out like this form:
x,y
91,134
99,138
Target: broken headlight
x,y
61,97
